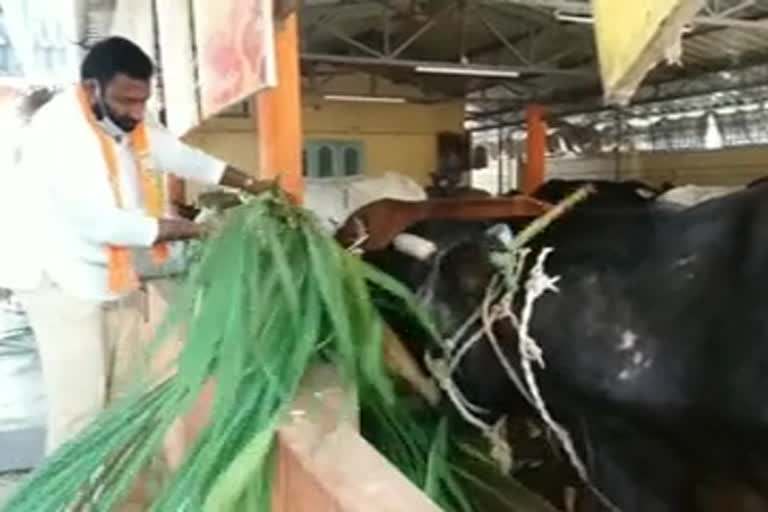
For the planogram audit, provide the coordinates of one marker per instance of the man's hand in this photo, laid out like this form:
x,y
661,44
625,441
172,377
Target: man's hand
x,y
258,186
179,229
247,183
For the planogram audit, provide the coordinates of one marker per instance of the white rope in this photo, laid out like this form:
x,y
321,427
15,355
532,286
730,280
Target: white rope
x,y
498,305
503,310
537,285
439,370
496,434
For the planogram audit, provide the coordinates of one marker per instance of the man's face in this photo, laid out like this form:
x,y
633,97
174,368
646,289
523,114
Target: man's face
x,y
123,99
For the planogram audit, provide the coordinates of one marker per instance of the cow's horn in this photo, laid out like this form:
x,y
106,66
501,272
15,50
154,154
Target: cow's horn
x,y
414,246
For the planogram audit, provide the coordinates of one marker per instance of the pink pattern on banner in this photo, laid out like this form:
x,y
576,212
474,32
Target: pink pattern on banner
x,y
236,49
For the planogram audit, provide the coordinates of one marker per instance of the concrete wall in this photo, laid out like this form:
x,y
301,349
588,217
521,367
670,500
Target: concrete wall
x,y
723,167
396,137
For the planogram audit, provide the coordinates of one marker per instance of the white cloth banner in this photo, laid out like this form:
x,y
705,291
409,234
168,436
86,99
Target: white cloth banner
x,y
135,20
177,63
44,35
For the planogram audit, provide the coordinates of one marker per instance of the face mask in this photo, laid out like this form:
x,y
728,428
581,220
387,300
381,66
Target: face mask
x,y
105,114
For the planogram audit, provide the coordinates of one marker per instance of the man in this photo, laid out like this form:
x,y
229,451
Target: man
x,y
95,166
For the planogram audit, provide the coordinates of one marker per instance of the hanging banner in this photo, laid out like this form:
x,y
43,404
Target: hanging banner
x,y
235,51
136,21
44,35
176,60
632,37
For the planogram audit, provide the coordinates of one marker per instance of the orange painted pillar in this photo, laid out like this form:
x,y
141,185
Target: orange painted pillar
x,y
278,114
536,148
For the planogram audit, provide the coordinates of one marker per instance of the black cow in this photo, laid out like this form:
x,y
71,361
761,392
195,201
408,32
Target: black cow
x,y
656,345
620,194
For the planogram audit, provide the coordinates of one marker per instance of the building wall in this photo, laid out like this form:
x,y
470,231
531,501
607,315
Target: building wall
x,y
396,137
736,166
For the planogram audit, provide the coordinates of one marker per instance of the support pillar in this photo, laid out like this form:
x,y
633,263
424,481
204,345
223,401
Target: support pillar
x,y
536,148
278,114
278,117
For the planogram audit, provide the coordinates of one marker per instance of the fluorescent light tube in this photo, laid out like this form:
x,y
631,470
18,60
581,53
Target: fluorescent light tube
x,y
467,71
363,99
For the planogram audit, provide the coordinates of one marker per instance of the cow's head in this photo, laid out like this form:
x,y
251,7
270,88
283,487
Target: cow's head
x,y
610,194
451,285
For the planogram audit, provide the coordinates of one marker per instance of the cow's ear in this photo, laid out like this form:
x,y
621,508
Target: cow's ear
x,y
645,193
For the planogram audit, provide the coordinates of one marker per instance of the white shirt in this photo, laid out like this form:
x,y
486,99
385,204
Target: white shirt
x,y
61,213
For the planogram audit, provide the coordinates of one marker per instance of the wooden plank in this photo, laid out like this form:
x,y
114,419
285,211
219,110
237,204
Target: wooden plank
x,y
324,465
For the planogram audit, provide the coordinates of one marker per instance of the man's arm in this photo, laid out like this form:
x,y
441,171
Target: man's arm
x,y
76,191
109,225
169,230
174,156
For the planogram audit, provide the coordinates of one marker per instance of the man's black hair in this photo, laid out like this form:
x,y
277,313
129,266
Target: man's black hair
x,y
115,55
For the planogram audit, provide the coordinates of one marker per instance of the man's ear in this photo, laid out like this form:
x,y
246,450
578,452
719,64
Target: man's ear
x,y
92,89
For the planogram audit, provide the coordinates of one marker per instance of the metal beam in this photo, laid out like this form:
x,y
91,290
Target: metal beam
x,y
736,8
421,31
386,31
553,58
571,6
338,34
716,19
502,39
318,90
677,90
541,31
403,63
343,10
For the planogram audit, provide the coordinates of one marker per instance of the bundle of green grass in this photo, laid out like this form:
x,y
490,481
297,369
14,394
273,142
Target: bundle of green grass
x,y
268,295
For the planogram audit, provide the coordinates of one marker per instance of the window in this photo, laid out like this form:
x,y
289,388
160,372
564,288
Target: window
x,y
351,162
325,162
333,158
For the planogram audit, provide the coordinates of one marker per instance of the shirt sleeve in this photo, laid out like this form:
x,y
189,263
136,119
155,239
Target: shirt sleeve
x,y
174,156
112,226
83,197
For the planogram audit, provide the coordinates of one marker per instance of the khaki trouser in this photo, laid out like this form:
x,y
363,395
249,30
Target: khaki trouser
x,y
90,352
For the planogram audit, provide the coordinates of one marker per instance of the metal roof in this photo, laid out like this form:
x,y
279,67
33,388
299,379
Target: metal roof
x,y
549,42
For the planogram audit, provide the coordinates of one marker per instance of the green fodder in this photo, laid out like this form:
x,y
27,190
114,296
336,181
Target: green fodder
x,y
268,294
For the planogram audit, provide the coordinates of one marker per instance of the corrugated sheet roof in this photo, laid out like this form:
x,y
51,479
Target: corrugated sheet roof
x,y
531,30
724,48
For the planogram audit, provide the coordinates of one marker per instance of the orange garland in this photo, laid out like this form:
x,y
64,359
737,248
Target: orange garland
x,y
122,274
